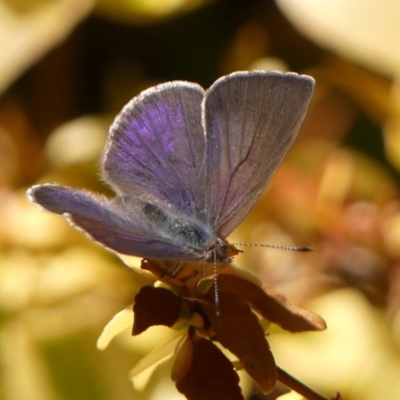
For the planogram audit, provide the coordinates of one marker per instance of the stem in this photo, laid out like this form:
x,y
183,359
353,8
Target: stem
x,y
298,386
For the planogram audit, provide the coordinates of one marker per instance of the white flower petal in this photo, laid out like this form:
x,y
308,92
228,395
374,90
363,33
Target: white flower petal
x,y
365,31
25,37
118,324
141,372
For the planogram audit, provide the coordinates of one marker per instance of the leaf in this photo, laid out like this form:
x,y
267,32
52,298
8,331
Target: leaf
x,y
289,316
201,371
155,306
115,326
237,328
271,305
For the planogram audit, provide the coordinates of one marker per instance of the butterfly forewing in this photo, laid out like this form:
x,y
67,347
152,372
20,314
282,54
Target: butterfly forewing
x,y
156,147
251,120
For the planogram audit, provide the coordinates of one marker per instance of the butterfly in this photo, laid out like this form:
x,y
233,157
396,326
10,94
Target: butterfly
x,y
187,165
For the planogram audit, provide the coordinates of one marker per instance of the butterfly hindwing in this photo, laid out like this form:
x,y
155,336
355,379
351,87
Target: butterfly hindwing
x,y
122,229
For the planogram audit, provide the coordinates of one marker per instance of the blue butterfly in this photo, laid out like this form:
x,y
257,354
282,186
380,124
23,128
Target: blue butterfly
x,y
187,165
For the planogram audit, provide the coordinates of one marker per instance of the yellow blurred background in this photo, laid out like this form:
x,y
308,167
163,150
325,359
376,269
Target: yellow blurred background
x,y
66,69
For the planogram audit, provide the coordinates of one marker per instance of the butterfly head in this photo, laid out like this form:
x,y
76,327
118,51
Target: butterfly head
x,y
220,251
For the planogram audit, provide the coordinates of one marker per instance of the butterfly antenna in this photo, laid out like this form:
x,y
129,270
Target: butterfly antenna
x,y
272,246
216,294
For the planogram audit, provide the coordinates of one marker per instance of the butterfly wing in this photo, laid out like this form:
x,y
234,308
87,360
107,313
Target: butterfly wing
x,y
251,119
155,150
118,226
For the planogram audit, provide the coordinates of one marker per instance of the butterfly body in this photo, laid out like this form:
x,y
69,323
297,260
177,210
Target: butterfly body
x,y
186,232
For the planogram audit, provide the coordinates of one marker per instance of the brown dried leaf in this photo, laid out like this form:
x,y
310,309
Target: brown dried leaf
x,y
237,328
201,371
155,306
272,305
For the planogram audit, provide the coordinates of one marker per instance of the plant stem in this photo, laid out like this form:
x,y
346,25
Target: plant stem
x,y
298,386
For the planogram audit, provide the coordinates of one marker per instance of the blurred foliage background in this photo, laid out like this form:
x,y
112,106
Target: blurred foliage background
x,y
67,68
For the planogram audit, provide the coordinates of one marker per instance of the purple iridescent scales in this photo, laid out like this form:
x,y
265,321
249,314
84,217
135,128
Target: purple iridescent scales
x,y
156,147
187,165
